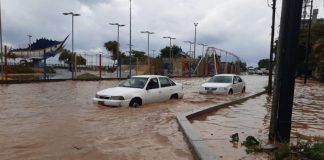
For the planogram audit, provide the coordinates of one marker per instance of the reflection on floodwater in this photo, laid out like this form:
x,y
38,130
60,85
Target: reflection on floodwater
x,y
59,121
252,118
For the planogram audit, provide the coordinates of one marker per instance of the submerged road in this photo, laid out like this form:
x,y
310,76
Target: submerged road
x,y
59,121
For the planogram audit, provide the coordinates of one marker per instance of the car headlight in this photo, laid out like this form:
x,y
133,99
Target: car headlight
x,y
117,98
97,96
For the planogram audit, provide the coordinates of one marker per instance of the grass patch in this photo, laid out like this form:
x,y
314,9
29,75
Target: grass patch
x,y
311,150
87,76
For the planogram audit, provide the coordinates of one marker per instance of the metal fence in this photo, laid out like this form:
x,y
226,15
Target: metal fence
x,y
100,66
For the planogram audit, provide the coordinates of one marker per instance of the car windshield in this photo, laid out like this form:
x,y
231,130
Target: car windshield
x,y
134,82
221,79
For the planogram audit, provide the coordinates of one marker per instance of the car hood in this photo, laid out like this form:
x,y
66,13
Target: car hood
x,y
118,91
215,85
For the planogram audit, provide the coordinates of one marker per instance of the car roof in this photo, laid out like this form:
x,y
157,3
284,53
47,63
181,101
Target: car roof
x,y
149,76
225,75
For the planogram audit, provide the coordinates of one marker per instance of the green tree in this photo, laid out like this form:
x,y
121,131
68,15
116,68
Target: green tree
x,y
243,66
263,63
112,47
165,52
138,54
66,57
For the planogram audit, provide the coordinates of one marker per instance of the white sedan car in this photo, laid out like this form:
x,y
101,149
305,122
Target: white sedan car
x,y
223,84
140,90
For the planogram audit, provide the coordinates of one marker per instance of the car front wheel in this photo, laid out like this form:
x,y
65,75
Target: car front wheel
x,y
243,90
230,92
174,96
135,102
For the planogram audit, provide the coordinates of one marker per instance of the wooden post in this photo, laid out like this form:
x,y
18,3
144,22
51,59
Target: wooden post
x,y
282,103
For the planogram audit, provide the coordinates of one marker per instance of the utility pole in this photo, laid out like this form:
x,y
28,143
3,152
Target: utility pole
x,y
282,102
73,54
203,49
148,45
190,43
195,39
118,45
271,46
171,56
308,48
1,52
29,38
130,38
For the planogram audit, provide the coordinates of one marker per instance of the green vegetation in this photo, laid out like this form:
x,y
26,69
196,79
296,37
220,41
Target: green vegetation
x,y
67,57
112,47
314,151
252,145
264,63
165,52
235,137
20,69
316,56
302,150
87,76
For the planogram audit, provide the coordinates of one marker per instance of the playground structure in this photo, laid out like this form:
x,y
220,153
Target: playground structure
x,y
217,61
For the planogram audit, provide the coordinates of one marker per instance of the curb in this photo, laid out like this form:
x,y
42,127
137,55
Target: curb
x,y
197,144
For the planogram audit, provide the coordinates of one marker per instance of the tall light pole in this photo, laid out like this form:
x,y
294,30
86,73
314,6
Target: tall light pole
x,y
130,38
190,44
271,46
29,38
203,49
118,45
1,53
195,24
171,38
148,44
75,57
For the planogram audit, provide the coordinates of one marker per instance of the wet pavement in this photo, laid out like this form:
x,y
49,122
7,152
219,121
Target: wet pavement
x,y
59,121
252,118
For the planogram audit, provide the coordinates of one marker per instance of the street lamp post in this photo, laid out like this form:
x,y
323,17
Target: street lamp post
x,y
202,54
1,53
29,38
118,56
130,38
148,47
195,39
75,57
190,44
203,45
171,38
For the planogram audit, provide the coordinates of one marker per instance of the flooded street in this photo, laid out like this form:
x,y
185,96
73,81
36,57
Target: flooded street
x,y
59,121
252,118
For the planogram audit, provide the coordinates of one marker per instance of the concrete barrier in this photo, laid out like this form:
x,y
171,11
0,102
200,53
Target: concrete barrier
x,y
196,143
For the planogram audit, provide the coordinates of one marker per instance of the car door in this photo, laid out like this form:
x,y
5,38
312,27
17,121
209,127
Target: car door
x,y
240,84
153,92
236,84
166,88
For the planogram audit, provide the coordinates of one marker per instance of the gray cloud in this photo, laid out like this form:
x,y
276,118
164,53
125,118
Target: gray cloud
x,y
242,27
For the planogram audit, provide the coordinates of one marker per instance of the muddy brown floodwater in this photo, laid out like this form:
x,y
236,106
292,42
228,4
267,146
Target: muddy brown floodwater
x,y
252,118
59,121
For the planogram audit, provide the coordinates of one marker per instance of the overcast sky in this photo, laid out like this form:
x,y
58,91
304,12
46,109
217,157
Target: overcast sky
x,y
238,26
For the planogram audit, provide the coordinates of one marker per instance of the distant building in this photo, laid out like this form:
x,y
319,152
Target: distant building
x,y
315,19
